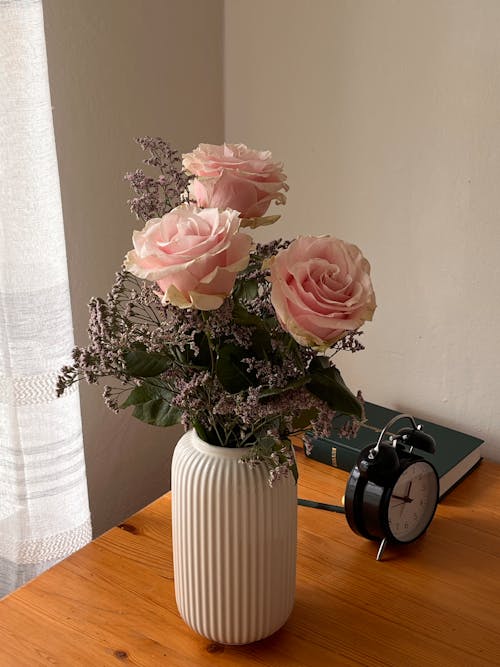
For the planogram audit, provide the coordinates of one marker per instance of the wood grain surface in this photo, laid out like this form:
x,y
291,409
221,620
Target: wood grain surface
x,y
433,603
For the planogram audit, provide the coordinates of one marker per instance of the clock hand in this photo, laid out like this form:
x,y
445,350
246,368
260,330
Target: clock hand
x,y
405,499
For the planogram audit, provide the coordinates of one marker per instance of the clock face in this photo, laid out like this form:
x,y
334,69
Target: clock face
x,y
412,501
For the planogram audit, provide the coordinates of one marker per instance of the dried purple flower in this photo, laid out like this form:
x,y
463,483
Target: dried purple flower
x,y
234,374
156,196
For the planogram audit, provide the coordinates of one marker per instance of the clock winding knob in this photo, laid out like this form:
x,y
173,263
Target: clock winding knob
x,y
378,466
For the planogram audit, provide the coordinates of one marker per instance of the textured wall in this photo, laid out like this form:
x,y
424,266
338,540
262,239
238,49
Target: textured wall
x,y
386,115
119,69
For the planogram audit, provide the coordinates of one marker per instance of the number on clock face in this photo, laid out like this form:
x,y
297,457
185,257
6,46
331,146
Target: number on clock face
x,y
413,501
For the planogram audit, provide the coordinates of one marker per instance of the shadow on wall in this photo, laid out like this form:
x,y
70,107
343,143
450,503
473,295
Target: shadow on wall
x,y
130,462
114,76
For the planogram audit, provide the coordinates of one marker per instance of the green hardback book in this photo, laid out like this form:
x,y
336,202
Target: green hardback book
x,y
456,453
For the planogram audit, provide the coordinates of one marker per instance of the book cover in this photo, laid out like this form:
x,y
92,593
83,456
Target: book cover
x,y
456,453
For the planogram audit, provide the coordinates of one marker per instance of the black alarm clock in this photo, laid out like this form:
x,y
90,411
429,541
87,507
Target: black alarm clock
x,y
392,493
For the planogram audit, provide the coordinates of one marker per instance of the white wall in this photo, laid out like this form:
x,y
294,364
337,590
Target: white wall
x,y
387,116
120,69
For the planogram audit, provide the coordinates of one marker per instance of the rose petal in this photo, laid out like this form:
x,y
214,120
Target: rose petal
x,y
321,288
191,251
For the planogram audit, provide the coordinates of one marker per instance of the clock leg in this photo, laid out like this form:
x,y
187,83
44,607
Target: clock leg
x,y
381,549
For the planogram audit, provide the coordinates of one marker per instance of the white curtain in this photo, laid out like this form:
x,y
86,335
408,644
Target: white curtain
x,y
44,511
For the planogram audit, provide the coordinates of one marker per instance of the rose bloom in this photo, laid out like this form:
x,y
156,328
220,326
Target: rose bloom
x,y
237,177
193,254
321,288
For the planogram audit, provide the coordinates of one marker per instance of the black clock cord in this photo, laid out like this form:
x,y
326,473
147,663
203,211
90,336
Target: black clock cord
x,y
321,506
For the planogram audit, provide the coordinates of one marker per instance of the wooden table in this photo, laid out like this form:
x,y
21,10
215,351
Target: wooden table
x,y
436,602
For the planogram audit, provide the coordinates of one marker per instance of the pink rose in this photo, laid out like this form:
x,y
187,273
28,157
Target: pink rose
x,y
237,177
321,288
193,254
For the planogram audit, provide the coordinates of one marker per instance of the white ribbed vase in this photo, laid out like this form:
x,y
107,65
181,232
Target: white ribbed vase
x,y
234,540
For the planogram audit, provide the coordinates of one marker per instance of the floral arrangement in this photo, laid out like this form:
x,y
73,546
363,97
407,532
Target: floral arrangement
x,y
206,328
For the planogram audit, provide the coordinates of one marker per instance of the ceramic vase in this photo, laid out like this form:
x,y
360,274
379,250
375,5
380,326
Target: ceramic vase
x,y
234,542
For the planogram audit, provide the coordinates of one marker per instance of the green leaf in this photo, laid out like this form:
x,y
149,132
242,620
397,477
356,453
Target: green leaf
x,y
158,412
145,364
232,374
152,404
242,316
328,385
147,392
319,363
261,345
186,356
296,384
203,358
137,396
200,431
303,420
246,289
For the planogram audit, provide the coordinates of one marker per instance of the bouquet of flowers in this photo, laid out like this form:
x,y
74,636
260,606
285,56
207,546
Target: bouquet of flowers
x,y
206,328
